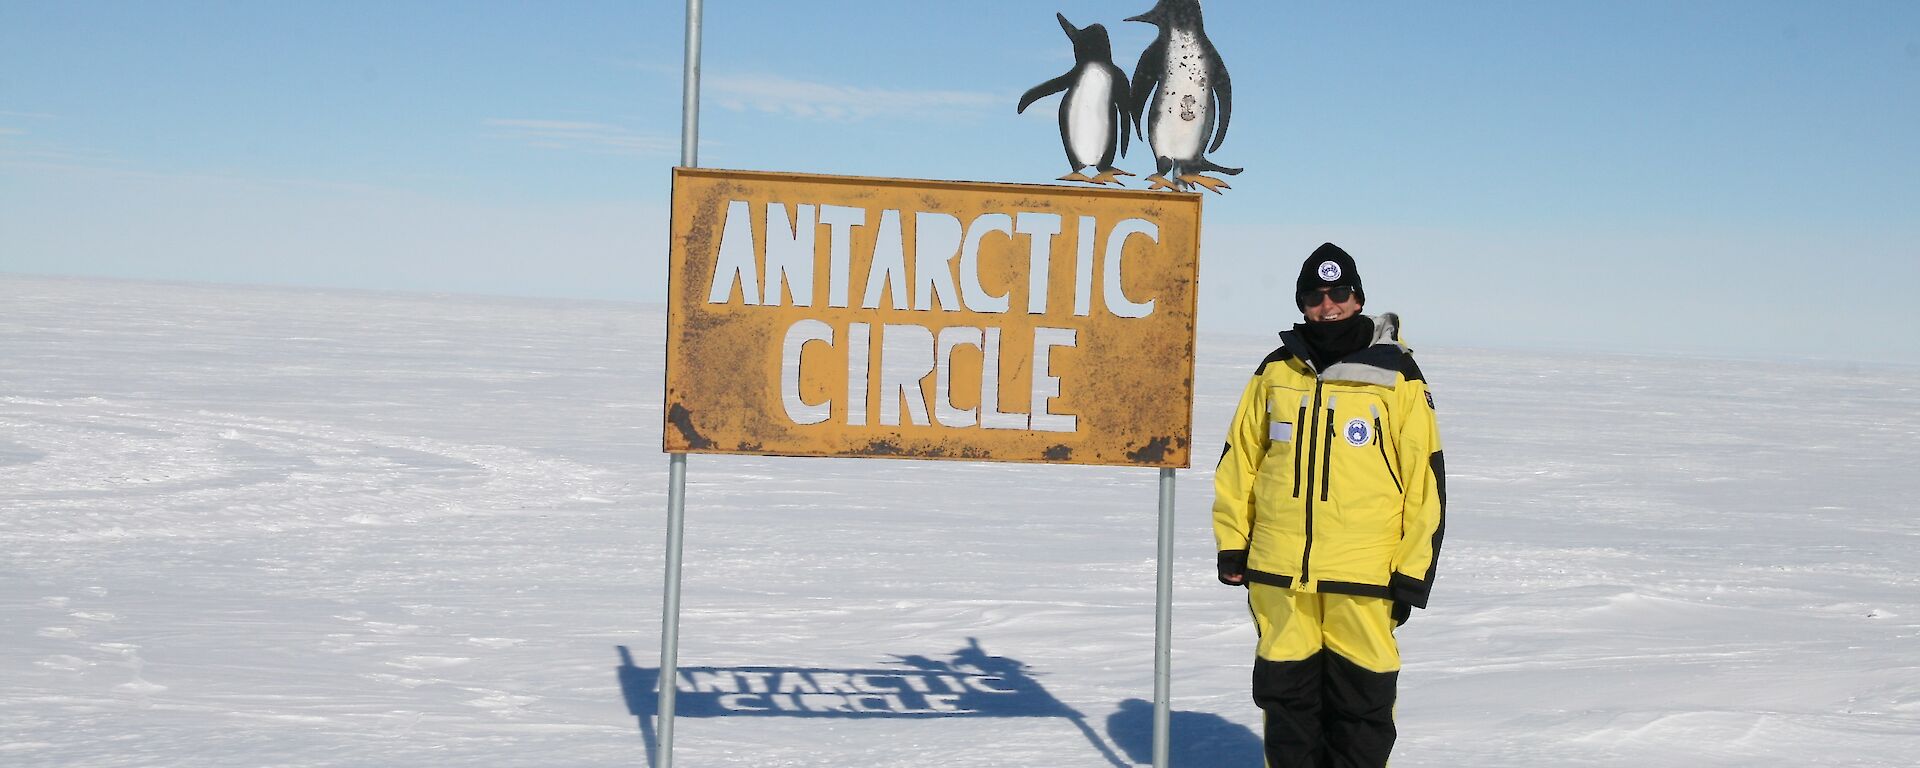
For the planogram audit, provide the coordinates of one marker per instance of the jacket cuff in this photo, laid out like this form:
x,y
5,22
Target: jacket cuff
x,y
1232,562
1409,590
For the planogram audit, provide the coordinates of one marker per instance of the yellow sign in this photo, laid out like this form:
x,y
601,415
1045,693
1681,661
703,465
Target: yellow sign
x,y
840,316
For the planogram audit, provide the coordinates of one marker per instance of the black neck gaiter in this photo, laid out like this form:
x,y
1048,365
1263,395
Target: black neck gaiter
x,y
1332,341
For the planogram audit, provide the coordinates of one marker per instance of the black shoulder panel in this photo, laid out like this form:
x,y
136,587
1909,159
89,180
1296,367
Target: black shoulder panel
x,y
1409,368
1280,355
1383,356
1389,357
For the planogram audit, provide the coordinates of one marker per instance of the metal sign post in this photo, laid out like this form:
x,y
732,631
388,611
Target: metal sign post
x,y
677,462
1163,627
670,605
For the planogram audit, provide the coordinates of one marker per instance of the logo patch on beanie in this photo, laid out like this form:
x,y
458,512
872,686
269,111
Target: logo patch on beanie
x,y
1359,432
1329,271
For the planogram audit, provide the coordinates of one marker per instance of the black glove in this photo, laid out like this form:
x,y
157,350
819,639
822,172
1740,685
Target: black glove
x,y
1233,567
1401,612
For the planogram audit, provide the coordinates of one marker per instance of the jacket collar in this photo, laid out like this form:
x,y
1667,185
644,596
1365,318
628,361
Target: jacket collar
x,y
1377,364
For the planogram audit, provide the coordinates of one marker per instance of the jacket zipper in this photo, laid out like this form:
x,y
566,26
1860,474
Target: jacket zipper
x,y
1313,445
1299,421
1379,439
1326,458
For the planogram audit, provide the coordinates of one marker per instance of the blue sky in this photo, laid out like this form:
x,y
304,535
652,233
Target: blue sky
x,y
1729,178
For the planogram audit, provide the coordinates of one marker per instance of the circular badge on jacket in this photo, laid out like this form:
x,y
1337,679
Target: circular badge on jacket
x,y
1329,271
1359,432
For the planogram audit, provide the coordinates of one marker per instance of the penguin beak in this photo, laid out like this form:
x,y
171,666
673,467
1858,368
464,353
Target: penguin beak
x,y
1066,25
1154,15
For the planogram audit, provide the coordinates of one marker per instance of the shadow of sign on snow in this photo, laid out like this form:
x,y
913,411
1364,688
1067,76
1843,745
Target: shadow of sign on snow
x,y
1196,739
970,683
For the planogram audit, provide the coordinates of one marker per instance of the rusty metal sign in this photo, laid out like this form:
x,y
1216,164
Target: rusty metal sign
x,y
840,316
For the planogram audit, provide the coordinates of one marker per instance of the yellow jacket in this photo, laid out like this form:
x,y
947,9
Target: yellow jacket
x,y
1333,481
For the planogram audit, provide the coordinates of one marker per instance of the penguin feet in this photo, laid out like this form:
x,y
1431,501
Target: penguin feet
x,y
1077,176
1107,176
1158,181
1190,179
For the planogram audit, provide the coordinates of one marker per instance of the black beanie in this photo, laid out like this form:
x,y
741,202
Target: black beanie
x,y
1327,267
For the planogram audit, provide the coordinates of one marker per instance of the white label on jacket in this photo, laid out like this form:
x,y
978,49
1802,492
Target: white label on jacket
x,y
1280,431
1359,432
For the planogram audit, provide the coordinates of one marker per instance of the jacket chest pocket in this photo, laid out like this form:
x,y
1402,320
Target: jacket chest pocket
x,y
1289,413
1362,457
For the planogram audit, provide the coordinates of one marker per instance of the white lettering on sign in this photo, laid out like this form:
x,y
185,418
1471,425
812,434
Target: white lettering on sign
x,y
906,357
815,315
840,221
943,410
972,293
990,415
889,269
939,241
856,374
790,254
1040,229
936,242
736,263
798,410
1083,267
1045,386
1117,301
908,354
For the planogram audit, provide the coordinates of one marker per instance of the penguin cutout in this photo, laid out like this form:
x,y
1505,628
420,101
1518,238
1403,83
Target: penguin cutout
x,y
1192,98
1093,114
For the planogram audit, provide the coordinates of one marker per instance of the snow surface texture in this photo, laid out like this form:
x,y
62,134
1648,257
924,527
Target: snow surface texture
x,y
249,527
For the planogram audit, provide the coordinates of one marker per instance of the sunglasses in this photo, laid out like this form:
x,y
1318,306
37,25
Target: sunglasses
x,y
1339,294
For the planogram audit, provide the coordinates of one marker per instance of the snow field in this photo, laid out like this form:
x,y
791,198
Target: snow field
x,y
244,527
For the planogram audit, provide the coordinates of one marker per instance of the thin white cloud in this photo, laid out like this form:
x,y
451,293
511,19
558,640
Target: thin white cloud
x,y
579,136
10,122
827,102
661,67
19,147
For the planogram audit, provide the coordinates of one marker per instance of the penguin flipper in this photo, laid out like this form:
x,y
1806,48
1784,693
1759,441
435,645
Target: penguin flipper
x,y
1146,75
1204,165
1223,96
1044,90
1120,94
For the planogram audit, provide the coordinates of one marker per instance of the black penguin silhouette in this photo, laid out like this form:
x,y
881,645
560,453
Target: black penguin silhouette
x,y
1192,97
1093,114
